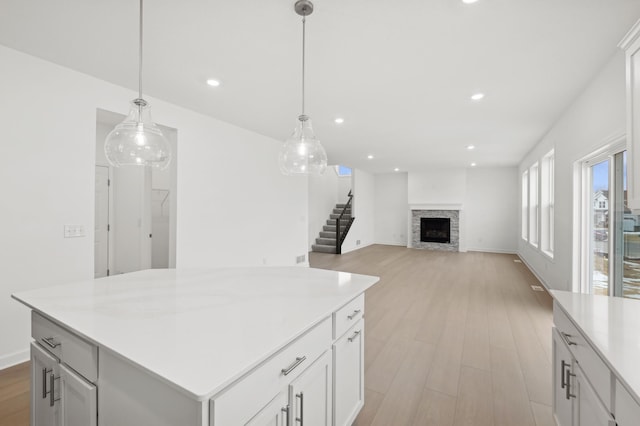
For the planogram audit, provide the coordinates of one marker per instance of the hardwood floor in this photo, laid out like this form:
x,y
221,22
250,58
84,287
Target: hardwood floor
x,y
452,339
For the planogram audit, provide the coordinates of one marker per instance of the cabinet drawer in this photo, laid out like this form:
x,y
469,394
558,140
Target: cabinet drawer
x,y
72,350
594,368
345,317
242,400
627,410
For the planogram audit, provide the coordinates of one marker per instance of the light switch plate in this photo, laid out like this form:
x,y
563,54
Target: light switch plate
x,y
73,231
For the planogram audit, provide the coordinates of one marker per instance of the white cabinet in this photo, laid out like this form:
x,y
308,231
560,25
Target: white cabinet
x,y
78,399
589,410
310,394
45,410
59,395
562,367
348,375
276,413
631,45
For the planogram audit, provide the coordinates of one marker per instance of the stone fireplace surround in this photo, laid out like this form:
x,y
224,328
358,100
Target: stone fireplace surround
x,y
416,212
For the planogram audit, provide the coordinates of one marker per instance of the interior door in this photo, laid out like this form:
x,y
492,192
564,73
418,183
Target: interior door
x,y
79,401
45,394
101,228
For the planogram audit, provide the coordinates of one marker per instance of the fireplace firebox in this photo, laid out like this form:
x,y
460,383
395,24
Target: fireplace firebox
x,y
435,230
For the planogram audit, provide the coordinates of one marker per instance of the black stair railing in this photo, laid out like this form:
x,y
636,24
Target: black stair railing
x,y
340,236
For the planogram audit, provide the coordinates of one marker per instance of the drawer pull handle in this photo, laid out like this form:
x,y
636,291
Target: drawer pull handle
x,y
354,314
285,410
50,342
297,362
52,386
301,418
567,339
352,338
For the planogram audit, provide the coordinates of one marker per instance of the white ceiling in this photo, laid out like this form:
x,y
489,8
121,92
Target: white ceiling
x,y
399,72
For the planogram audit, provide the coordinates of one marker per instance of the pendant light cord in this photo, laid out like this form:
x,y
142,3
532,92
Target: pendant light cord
x,y
140,57
304,20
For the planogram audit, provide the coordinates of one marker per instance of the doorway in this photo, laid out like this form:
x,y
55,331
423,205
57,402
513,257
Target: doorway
x,y
135,217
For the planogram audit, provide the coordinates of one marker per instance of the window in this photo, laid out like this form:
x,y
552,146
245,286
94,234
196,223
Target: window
x,y
533,205
611,232
343,171
525,205
546,203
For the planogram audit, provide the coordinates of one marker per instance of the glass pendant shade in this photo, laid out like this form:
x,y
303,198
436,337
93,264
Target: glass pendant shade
x,y
302,153
138,141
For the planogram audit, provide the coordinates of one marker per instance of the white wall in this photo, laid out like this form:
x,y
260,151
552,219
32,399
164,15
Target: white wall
x,y
323,197
362,230
391,201
344,186
490,209
593,119
437,186
227,214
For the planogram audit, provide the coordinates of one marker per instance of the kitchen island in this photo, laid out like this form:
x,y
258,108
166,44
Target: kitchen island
x,y
218,347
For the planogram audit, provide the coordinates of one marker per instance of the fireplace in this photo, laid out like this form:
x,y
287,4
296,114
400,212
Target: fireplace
x,y
435,230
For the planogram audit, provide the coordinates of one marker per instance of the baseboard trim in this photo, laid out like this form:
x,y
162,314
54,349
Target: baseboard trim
x,y
391,244
486,250
534,272
14,358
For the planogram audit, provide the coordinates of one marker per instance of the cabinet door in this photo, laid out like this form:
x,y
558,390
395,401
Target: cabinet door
x,y
45,407
589,410
310,394
562,366
276,413
78,399
348,375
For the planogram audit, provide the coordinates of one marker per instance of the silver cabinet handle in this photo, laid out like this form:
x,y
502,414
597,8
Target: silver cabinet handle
x,y
297,362
285,410
45,371
52,381
352,338
569,395
562,376
566,338
50,342
354,314
301,418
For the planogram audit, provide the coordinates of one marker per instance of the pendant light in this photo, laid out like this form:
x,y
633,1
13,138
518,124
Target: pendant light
x,y
138,141
302,153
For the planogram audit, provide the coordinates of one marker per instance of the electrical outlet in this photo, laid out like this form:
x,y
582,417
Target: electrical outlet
x,y
357,242
301,259
73,231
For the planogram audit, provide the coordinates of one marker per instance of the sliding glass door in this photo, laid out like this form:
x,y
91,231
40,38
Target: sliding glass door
x,y
611,249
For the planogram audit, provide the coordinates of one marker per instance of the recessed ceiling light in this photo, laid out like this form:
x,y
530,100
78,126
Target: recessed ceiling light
x,y
470,147
370,157
213,83
469,1
396,169
339,120
477,96
473,164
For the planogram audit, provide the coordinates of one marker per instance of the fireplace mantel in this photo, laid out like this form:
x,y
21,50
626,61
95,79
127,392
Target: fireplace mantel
x,y
453,211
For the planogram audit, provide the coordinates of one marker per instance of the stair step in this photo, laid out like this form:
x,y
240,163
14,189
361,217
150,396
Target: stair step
x,y
320,248
332,228
340,206
326,241
337,215
328,234
338,211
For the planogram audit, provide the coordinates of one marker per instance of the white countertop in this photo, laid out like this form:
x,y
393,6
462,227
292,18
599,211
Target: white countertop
x,y
198,330
612,326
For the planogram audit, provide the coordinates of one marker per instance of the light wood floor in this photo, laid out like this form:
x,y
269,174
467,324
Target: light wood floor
x,y
452,338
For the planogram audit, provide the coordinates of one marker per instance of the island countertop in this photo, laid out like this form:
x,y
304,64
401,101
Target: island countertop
x,y
201,329
612,327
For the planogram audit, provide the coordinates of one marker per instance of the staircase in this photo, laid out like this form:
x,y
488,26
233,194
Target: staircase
x,y
328,242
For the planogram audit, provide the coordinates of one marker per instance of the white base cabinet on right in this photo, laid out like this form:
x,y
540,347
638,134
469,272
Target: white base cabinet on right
x,y
348,375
